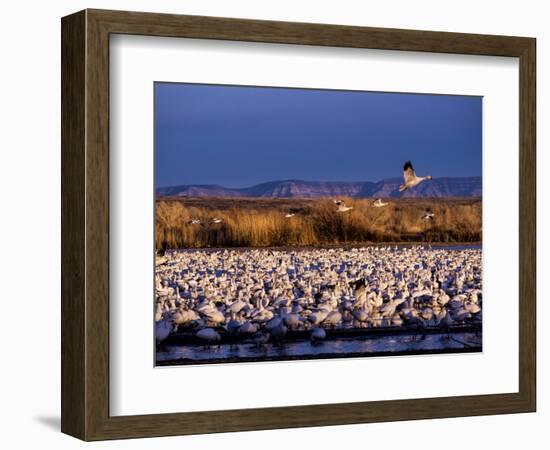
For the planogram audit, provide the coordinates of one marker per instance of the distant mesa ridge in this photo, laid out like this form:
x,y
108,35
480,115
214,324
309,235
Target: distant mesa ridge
x,y
438,187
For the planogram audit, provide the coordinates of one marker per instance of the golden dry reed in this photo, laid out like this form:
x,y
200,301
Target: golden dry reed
x,y
262,222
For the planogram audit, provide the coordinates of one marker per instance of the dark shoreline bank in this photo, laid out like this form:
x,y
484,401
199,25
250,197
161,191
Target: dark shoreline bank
x,y
232,360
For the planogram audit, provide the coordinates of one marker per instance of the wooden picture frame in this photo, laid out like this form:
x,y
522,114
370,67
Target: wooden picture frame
x,y
85,224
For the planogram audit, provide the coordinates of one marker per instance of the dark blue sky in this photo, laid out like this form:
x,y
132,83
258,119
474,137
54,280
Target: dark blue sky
x,y
239,136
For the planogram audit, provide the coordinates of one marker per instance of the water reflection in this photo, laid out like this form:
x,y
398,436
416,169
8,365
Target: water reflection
x,y
371,346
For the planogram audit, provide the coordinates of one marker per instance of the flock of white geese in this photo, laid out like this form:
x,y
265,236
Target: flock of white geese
x,y
262,294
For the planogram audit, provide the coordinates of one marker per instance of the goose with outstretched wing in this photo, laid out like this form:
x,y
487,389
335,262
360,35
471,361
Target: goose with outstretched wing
x,y
410,177
341,206
379,203
428,216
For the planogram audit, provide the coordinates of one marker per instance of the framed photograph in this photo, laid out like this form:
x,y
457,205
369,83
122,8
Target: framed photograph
x,y
273,225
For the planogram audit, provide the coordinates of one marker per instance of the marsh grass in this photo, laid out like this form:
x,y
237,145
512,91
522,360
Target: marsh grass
x,y
262,223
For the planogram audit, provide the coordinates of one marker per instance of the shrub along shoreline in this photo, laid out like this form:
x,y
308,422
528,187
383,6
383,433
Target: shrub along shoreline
x,y
262,222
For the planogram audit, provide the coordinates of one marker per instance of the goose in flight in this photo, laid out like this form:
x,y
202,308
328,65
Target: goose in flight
x,y
195,222
342,206
410,177
428,216
379,203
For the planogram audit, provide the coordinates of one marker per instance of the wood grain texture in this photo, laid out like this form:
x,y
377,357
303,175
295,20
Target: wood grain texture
x,y
73,271
527,224
151,24
85,224
97,225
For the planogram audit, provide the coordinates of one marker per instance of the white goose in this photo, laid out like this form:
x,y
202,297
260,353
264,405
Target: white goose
x,y
209,335
428,216
394,287
410,177
379,203
247,328
183,316
342,206
333,319
163,328
318,334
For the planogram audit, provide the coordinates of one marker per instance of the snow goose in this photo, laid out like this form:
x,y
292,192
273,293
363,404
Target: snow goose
x,y
410,177
333,318
379,203
342,206
360,314
317,335
213,316
292,321
428,216
234,324
317,317
183,316
247,328
471,307
236,306
461,314
360,291
163,328
209,335
273,323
